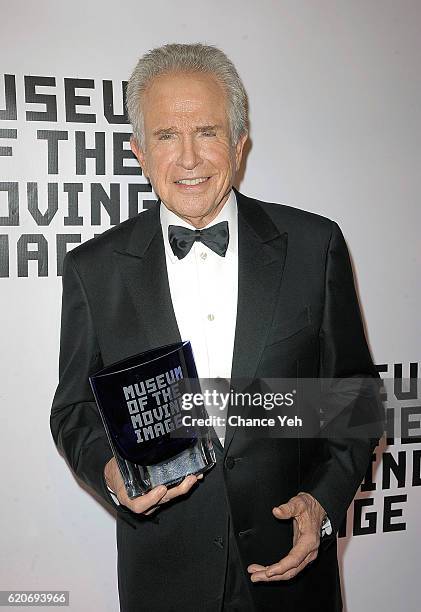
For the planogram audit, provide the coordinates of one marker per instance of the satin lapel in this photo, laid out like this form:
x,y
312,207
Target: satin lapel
x,y
261,257
143,268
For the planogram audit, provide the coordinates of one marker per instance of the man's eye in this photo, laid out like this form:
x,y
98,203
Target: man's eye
x,y
209,133
165,136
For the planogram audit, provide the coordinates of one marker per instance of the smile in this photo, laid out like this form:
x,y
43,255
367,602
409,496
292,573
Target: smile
x,y
195,181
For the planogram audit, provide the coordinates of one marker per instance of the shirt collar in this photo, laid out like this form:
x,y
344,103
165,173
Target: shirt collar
x,y
227,213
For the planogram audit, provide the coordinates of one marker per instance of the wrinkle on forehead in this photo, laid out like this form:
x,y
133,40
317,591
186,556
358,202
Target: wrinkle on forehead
x,y
181,86
186,106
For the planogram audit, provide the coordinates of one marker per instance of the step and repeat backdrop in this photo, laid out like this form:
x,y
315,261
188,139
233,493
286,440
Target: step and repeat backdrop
x,y
335,100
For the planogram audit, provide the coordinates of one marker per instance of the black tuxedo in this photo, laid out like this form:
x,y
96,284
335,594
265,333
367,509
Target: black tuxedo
x,y
297,316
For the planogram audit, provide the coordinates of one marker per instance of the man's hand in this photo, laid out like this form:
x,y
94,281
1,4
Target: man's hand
x,y
308,516
148,503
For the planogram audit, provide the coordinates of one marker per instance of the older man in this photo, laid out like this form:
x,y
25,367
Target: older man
x,y
261,291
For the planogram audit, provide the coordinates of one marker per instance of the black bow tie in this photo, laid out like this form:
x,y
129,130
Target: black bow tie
x,y
215,237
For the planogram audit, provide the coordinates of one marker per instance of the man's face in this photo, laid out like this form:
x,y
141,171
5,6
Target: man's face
x,y
187,151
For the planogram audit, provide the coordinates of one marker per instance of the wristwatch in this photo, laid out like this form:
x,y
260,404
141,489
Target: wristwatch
x,y
326,528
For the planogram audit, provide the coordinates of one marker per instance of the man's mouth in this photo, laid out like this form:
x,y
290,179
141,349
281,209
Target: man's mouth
x,y
194,181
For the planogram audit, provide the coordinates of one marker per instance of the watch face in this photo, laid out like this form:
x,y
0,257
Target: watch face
x,y
326,528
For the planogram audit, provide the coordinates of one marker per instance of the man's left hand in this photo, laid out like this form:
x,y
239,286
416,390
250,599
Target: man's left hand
x,y
308,516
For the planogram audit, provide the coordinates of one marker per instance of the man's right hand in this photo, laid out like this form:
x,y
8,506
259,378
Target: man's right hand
x,y
148,503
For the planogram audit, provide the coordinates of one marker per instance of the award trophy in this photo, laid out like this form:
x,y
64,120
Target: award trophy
x,y
140,402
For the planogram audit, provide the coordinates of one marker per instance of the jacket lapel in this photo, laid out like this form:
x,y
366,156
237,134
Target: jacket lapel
x,y
261,257
143,268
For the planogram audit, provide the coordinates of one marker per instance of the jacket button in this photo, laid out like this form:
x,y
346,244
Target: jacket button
x,y
219,542
229,463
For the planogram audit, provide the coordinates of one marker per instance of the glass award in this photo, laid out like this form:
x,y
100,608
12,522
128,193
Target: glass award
x,y
140,400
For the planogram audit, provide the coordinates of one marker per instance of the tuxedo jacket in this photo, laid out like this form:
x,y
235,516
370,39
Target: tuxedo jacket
x,y
298,317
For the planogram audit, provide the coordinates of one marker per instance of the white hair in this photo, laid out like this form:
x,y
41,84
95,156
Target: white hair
x,y
187,58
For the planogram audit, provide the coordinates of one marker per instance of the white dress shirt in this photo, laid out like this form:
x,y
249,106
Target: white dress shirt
x,y
204,289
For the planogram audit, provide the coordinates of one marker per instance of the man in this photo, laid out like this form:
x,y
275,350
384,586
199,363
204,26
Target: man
x,y
276,300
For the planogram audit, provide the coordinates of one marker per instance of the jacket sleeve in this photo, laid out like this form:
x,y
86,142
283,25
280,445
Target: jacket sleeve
x,y
353,413
75,423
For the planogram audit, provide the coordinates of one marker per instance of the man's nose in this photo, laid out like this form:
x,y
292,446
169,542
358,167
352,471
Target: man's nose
x,y
189,156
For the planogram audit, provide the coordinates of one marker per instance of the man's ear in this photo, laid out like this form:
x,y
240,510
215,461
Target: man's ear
x,y
139,154
239,150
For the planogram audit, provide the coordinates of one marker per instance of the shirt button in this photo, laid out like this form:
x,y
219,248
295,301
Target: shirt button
x,y
211,317
203,256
